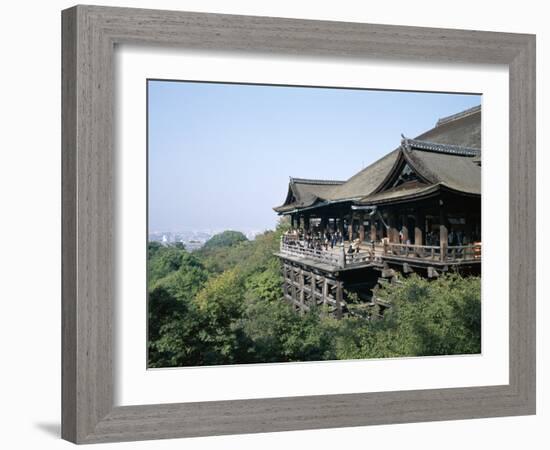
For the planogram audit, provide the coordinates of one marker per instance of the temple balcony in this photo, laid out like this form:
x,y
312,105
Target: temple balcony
x,y
339,258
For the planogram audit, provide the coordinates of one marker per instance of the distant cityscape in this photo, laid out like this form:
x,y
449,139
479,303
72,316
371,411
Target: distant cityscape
x,y
193,239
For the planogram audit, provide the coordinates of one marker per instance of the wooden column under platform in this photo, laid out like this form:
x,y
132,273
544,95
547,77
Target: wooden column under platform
x,y
304,289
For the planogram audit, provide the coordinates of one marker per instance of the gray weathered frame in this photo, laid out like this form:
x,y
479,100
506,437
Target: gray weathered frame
x,y
89,36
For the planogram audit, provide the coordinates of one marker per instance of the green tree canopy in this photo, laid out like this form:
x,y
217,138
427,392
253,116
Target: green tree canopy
x,y
223,305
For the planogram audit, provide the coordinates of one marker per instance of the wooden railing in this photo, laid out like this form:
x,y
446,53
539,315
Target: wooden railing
x,y
455,253
359,258
471,252
338,257
301,251
431,252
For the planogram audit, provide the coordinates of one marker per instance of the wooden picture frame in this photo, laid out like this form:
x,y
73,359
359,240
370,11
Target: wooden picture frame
x,y
89,36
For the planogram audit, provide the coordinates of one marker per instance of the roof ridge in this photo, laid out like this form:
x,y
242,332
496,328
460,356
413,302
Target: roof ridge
x,y
451,149
315,181
458,115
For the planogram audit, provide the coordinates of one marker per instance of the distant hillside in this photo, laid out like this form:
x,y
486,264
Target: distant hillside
x,y
226,239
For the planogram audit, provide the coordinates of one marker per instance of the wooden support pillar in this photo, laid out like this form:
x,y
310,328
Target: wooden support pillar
x,y
373,230
419,220
468,228
341,224
285,281
350,227
292,279
443,232
404,228
339,299
302,293
313,297
393,234
292,224
361,227
342,257
325,291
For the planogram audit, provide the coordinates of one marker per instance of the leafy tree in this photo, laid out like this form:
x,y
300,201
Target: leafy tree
x,y
171,310
152,248
441,317
221,305
279,334
163,261
266,285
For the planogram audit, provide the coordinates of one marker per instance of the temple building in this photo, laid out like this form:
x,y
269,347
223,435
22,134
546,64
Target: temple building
x,y
415,210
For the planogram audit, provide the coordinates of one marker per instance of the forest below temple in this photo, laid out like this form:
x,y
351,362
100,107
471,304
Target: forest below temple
x,y
222,304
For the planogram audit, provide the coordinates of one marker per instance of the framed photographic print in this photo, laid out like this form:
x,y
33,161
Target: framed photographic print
x,y
277,224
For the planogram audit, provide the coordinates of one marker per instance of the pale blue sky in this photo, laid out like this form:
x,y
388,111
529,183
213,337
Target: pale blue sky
x,y
220,155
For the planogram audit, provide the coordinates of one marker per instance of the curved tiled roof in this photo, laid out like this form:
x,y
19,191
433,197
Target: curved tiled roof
x,y
367,180
446,155
455,171
303,193
463,128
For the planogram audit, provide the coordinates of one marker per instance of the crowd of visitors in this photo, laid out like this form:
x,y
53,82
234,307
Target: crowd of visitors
x,y
319,240
313,239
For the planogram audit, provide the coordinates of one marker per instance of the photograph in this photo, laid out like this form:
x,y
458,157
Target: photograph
x,y
297,223
266,225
